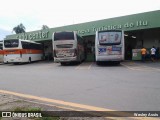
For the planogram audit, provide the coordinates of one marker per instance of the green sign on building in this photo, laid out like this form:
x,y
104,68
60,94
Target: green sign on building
x,y
127,23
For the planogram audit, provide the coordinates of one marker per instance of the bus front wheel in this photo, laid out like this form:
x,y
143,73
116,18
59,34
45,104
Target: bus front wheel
x,y
97,62
16,63
29,61
63,63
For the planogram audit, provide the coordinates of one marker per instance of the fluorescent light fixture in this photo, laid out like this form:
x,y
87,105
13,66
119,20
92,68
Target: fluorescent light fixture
x,y
133,36
125,35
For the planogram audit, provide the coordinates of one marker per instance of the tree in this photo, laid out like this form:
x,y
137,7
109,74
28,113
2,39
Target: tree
x,y
44,27
19,29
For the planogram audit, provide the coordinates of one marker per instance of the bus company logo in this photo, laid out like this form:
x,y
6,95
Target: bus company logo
x,y
61,52
6,114
101,50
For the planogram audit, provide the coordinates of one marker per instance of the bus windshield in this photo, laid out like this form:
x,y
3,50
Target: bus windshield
x,y
64,36
109,38
11,43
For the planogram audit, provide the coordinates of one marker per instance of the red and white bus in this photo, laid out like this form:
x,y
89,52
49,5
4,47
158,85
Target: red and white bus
x,y
19,51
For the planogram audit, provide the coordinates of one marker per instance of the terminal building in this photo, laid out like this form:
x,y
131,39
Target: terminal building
x,y
140,30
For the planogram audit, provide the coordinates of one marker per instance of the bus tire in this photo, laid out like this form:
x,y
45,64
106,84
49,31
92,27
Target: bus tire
x,y
63,63
117,62
29,60
16,63
97,62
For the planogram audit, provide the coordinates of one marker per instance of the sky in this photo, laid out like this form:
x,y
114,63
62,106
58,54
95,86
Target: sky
x,y
55,13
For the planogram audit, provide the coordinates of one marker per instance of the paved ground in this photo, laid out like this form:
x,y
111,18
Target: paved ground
x,y
126,87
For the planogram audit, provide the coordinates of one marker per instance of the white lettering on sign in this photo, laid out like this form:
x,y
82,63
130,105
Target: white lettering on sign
x,y
126,25
33,36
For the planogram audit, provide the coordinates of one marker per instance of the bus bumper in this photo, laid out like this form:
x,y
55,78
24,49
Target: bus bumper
x,y
69,59
110,58
13,60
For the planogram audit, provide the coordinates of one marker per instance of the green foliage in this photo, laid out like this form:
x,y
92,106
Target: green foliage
x,y
44,27
31,109
19,29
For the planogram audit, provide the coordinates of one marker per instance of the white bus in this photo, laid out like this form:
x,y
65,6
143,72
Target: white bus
x,y
18,51
109,46
68,47
1,51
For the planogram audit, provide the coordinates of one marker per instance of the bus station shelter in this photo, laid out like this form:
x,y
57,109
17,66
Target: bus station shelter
x,y
141,29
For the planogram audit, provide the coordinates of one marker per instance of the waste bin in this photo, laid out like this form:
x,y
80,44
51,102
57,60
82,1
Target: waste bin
x,y
136,54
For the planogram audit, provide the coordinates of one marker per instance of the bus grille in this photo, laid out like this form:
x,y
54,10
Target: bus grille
x,y
65,46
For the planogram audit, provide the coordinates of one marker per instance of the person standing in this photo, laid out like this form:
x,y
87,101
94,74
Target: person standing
x,y
143,53
153,53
